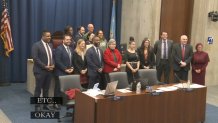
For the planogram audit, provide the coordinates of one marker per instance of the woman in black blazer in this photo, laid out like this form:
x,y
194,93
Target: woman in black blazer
x,y
146,55
80,63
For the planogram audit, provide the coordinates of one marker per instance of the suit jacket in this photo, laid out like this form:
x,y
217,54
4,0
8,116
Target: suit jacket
x,y
158,48
79,63
62,60
78,36
110,64
40,57
93,62
150,58
177,56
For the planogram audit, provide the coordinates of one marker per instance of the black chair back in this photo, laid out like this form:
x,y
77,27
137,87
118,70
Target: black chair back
x,y
150,75
70,82
121,77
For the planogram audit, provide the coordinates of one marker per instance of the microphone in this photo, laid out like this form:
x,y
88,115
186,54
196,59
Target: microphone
x,y
177,77
182,81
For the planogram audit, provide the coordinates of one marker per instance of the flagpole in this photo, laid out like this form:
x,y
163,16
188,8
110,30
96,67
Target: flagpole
x,y
3,4
113,21
4,65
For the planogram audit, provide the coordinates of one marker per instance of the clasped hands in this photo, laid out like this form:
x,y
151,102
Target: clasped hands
x,y
49,68
69,70
182,64
117,68
198,70
83,71
135,70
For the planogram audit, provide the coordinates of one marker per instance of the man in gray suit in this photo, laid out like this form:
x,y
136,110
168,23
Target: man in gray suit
x,y
163,50
90,28
43,66
182,55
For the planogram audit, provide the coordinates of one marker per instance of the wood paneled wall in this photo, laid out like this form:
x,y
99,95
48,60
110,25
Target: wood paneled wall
x,y
176,18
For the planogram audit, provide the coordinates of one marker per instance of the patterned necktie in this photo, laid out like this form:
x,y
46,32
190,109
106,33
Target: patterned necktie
x,y
97,50
165,50
69,54
49,55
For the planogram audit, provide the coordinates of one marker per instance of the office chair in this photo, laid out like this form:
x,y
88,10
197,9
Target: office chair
x,y
121,77
150,75
69,82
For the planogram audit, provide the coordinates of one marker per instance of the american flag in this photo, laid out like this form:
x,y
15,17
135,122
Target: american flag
x,y
6,31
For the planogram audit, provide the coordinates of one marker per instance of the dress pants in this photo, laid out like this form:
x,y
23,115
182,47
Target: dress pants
x,y
43,81
182,74
163,68
97,78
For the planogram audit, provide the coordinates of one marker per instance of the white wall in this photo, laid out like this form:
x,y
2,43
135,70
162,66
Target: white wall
x,y
202,27
140,19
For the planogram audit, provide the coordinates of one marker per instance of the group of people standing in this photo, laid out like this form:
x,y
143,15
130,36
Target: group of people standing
x,y
86,55
93,58
166,55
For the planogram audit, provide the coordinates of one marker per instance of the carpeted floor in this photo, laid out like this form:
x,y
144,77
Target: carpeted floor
x,y
15,103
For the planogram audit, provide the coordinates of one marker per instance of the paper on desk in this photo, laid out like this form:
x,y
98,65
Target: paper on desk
x,y
196,86
184,85
169,88
181,85
158,90
124,90
92,92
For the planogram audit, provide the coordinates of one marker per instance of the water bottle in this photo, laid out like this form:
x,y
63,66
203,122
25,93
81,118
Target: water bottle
x,y
138,88
149,89
188,84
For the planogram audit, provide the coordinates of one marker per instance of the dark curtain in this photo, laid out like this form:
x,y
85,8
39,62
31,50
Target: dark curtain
x,y
29,17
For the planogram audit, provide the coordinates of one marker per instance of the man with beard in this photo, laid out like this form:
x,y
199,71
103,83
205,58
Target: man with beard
x,y
43,67
94,57
63,63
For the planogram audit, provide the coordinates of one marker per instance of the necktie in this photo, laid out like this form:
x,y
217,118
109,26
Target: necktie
x,y
69,54
97,50
183,52
165,50
49,55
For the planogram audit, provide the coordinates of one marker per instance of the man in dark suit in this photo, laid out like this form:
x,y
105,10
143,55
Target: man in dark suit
x,y
94,57
182,55
43,66
63,63
163,50
80,34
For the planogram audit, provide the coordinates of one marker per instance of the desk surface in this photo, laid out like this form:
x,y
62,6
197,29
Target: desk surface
x,y
169,107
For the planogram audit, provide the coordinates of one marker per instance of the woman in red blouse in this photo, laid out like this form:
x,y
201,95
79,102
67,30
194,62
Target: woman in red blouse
x,y
199,63
112,59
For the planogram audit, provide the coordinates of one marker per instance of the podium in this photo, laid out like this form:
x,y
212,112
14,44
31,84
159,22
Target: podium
x,y
169,107
30,85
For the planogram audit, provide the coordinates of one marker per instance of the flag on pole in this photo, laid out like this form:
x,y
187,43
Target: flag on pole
x,y
6,31
113,21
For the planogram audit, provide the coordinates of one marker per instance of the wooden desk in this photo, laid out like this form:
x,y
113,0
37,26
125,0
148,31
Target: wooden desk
x,y
169,107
